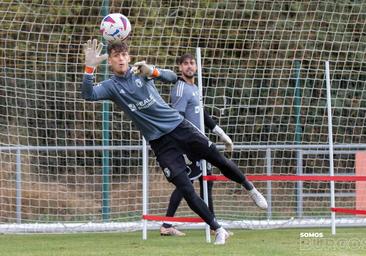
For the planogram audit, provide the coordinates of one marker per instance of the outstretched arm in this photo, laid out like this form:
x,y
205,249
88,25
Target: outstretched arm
x,y
93,58
92,51
211,124
150,71
167,75
93,93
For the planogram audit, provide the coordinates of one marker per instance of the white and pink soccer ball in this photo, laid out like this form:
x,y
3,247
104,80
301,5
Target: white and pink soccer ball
x,y
115,26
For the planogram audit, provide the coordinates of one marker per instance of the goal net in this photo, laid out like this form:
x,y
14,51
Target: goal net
x,y
67,164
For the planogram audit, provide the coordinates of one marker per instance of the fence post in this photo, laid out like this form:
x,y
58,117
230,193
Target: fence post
x,y
269,183
145,186
18,188
106,209
299,184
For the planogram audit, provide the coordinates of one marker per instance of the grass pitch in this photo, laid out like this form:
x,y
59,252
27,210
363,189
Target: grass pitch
x,y
281,242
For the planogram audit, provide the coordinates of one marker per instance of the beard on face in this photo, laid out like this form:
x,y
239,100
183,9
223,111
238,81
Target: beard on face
x,y
189,74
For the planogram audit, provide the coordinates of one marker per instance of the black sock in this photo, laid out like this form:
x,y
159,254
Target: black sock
x,y
214,225
166,225
247,185
184,185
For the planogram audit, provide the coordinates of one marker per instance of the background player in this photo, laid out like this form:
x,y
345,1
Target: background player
x,y
185,98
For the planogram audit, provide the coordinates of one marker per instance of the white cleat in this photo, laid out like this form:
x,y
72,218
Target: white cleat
x,y
172,231
258,199
213,232
221,236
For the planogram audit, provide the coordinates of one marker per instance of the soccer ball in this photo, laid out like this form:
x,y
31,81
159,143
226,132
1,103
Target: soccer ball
x,y
115,26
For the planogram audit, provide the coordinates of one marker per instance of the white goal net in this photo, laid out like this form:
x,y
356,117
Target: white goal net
x,y
67,164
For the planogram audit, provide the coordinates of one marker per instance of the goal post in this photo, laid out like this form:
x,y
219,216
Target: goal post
x,y
202,128
63,169
330,142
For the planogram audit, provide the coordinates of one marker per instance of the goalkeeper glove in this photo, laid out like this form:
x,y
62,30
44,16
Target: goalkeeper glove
x,y
92,55
226,139
141,68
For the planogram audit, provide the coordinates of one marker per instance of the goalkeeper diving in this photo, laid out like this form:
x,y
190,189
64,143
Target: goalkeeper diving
x,y
169,134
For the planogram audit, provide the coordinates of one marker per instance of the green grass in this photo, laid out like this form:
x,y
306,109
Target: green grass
x,y
281,242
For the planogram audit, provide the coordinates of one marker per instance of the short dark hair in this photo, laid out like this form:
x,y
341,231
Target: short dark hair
x,y
184,57
117,46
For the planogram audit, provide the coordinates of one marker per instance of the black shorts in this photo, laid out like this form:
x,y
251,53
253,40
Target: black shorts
x,y
195,170
184,139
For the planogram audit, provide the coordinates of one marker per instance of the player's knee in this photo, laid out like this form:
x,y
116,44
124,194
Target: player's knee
x,y
184,185
217,159
215,153
187,191
213,149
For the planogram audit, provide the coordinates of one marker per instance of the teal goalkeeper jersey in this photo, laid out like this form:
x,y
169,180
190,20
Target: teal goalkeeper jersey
x,y
138,97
